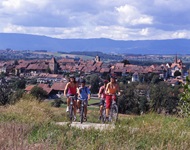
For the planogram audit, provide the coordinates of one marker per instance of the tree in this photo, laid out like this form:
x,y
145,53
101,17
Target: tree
x,y
184,103
39,93
158,94
172,102
155,79
94,81
20,84
125,61
5,92
164,98
127,102
16,96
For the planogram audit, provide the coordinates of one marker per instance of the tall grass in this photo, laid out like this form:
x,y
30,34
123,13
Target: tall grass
x,y
31,125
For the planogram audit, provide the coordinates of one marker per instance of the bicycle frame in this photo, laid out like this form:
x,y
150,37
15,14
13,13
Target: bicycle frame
x,y
113,113
82,106
71,111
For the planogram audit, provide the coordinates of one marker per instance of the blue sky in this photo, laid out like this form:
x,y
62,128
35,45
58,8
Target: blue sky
x,y
115,19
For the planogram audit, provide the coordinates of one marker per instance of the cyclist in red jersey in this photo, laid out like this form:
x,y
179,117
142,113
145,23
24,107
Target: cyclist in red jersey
x,y
102,96
111,89
71,90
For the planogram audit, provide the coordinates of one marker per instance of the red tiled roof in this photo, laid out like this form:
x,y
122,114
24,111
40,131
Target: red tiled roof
x,y
120,65
29,87
37,66
98,64
42,85
106,70
22,65
59,86
45,87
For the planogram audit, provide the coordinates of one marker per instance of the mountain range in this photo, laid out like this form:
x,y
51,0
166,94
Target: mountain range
x,y
17,41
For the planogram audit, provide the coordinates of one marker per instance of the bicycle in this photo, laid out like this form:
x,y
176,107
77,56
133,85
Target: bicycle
x,y
71,107
103,117
83,104
113,111
113,114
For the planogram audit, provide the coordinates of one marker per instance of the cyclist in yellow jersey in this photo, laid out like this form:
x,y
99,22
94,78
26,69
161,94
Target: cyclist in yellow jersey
x,y
111,89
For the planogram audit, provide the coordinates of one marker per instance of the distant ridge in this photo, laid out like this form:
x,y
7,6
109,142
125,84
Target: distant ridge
x,y
35,42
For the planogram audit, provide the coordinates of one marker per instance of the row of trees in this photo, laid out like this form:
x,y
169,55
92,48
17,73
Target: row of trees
x,y
137,97
11,91
140,98
150,94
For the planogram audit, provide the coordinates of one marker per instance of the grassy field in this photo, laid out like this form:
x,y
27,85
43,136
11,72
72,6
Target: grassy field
x,y
31,125
64,55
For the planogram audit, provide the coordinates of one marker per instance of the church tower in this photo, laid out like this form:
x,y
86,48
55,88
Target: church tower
x,y
53,65
97,58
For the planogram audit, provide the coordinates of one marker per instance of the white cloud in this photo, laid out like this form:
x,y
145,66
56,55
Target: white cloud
x,y
116,19
23,4
144,32
130,15
180,34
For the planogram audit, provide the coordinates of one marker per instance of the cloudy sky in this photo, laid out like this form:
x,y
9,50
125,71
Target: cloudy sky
x,y
115,19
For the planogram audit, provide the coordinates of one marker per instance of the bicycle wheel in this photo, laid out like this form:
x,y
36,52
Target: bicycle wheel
x,y
71,114
82,113
114,113
103,118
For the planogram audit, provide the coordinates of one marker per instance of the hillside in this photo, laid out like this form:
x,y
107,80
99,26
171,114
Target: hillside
x,y
31,125
35,42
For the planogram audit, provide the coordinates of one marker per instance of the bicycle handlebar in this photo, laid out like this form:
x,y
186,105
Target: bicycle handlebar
x,y
72,96
82,99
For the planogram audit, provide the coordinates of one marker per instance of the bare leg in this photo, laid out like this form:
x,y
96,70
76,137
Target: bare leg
x,y
101,107
107,112
78,104
85,110
75,104
68,101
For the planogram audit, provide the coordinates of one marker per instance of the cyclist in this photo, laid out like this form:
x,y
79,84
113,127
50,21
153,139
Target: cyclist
x,y
83,95
102,96
111,89
71,90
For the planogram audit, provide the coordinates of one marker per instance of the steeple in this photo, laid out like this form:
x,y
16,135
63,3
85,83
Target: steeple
x,y
176,58
97,58
53,65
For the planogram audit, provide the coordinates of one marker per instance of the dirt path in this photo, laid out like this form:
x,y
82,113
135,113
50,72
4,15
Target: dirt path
x,y
88,125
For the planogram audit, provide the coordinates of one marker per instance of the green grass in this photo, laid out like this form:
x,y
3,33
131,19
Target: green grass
x,y
30,124
93,101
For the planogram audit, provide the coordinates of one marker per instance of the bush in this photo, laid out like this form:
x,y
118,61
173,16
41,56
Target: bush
x,y
140,98
5,92
184,103
16,96
57,103
39,93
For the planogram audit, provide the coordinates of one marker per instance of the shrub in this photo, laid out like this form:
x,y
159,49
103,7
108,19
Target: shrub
x,y
57,103
39,93
184,103
5,92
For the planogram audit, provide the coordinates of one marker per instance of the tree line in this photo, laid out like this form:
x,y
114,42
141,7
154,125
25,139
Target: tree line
x,y
140,97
